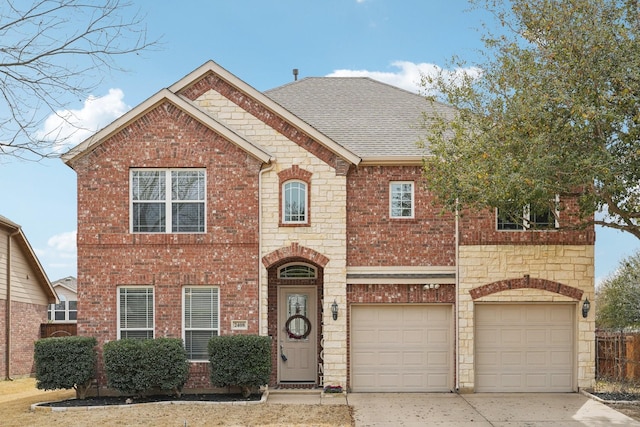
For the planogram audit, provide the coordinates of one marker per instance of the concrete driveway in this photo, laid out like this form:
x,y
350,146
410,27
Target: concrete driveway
x,y
483,409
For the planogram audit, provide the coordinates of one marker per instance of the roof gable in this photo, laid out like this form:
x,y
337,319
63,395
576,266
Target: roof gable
x,y
185,105
190,84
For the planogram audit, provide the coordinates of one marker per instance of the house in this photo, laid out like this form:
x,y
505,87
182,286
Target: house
x,y
300,213
66,310
62,317
25,293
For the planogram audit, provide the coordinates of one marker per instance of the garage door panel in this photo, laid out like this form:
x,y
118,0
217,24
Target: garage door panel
x,y
441,358
532,352
560,337
412,336
388,337
535,337
421,355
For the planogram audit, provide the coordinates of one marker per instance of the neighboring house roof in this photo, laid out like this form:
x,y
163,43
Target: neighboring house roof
x,y
376,121
69,282
16,232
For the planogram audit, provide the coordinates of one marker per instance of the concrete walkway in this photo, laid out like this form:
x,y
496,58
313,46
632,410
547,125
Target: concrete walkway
x,y
476,410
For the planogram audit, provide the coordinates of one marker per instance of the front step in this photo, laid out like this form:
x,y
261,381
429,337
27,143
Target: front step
x,y
299,391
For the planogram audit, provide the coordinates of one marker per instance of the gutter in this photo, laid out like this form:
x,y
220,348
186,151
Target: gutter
x,y
457,309
8,309
260,305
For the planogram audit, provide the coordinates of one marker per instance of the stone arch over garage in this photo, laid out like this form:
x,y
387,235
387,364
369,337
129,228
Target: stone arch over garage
x,y
526,282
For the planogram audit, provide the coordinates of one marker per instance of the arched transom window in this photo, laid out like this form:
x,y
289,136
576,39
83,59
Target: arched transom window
x,y
297,271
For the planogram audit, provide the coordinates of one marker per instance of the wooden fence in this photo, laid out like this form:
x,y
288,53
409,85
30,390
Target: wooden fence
x,y
58,329
618,356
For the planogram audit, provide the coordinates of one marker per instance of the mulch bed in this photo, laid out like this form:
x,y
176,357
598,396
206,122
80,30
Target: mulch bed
x,y
124,400
617,396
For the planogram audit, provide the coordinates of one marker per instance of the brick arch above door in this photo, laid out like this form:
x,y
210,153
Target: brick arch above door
x,y
526,282
294,251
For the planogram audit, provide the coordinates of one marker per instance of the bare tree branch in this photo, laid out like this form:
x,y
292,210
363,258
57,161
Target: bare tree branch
x,y
52,50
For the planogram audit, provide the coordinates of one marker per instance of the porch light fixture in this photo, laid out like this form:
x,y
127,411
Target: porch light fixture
x,y
334,310
586,305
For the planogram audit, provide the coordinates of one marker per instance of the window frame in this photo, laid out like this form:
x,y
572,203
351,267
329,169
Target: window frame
x,y
305,188
391,200
167,201
308,267
185,329
148,329
526,224
52,309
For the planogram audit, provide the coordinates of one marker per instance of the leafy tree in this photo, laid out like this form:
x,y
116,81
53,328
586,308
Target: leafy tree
x,y
553,110
52,51
618,297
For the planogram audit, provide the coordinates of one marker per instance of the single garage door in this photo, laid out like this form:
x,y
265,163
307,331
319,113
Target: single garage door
x,y
401,348
524,347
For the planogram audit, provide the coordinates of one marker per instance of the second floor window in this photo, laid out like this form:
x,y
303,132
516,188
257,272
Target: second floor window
x,y
168,200
401,199
526,218
294,202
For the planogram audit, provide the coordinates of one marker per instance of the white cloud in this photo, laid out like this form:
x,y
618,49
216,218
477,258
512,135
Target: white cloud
x,y
63,244
409,75
70,127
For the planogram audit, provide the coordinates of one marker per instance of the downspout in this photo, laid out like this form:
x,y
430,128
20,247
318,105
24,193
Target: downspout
x,y
260,309
8,310
457,281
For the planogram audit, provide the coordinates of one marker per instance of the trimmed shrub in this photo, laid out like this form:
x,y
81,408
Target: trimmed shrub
x,y
65,363
240,360
166,359
133,367
125,366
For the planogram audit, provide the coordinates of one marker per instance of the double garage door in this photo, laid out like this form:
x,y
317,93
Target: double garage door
x,y
524,347
409,348
401,348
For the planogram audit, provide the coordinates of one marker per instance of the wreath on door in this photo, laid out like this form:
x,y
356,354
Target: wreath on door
x,y
307,327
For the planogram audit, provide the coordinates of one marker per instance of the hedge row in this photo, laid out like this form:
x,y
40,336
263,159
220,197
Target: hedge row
x,y
136,367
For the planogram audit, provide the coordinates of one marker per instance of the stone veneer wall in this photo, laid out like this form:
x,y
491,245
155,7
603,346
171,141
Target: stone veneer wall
x,y
570,265
325,234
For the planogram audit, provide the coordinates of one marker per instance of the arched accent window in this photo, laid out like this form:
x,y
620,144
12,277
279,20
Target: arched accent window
x,y
294,202
297,271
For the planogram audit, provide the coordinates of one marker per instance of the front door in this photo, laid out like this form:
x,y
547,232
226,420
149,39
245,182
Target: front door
x,y
298,332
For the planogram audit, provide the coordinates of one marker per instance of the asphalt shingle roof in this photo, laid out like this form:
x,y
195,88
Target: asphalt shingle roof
x,y
370,118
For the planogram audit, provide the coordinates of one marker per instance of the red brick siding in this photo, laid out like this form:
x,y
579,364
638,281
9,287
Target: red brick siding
x,y
479,228
226,255
25,330
376,240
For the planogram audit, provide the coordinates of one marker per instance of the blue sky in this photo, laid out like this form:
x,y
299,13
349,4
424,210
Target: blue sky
x,y
260,41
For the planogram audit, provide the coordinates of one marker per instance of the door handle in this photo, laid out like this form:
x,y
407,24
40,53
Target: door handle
x,y
282,355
